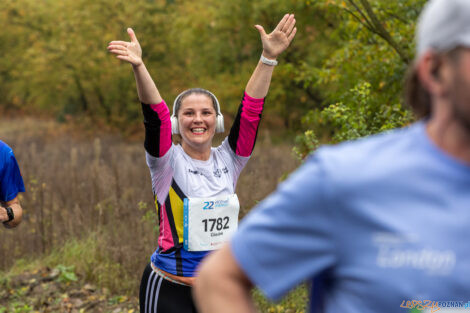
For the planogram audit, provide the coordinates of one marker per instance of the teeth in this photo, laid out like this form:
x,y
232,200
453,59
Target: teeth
x,y
198,130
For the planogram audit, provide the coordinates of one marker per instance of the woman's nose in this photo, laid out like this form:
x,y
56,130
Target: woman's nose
x,y
198,117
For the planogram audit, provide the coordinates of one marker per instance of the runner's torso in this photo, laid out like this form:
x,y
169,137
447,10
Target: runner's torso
x,y
176,176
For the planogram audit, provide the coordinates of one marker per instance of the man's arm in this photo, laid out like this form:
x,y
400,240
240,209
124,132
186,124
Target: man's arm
x,y
290,237
14,204
229,286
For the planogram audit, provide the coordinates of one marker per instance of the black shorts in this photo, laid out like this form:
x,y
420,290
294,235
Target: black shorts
x,y
163,296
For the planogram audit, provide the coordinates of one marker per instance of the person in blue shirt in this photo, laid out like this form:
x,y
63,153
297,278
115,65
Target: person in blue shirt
x,y
380,224
11,183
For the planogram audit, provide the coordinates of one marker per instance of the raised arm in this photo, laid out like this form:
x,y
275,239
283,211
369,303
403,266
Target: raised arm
x,y
156,114
132,53
244,130
273,45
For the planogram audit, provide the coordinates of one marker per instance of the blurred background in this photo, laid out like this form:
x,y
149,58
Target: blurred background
x,y
70,111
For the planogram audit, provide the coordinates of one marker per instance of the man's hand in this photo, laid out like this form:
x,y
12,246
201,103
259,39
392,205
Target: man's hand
x,y
3,214
17,212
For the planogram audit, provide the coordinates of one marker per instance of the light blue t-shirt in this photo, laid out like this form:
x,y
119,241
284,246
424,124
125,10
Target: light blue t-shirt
x,y
372,223
11,182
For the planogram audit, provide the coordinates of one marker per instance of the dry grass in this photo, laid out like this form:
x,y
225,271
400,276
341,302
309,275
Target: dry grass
x,y
80,185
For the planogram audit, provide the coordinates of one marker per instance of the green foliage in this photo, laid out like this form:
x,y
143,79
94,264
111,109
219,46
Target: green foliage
x,y
295,301
16,305
361,80
117,299
57,60
150,216
306,143
87,257
55,57
67,273
359,117
17,308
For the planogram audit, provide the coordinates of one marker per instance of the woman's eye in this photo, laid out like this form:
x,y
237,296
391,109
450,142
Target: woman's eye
x,y
188,113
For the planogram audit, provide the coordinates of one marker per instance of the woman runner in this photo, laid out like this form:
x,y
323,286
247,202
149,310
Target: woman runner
x,y
194,183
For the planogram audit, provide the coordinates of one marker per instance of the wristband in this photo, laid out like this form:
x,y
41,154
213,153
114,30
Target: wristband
x,y
267,61
11,215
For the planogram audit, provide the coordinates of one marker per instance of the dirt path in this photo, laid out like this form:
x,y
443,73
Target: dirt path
x,y
58,290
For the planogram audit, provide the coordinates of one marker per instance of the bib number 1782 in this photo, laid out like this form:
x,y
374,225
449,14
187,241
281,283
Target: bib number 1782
x,y
217,223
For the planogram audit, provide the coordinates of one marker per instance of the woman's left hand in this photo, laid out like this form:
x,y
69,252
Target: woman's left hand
x,y
280,38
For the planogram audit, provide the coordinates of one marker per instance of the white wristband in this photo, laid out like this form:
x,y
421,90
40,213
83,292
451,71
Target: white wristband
x,y
267,61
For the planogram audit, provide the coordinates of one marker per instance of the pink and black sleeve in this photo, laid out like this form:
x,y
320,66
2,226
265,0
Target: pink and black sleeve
x,y
244,130
157,128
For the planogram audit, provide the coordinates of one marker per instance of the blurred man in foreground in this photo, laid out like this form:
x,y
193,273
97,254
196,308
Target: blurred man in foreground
x,y
380,224
11,184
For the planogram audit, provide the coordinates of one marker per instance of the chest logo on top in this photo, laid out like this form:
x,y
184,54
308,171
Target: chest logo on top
x,y
407,251
217,172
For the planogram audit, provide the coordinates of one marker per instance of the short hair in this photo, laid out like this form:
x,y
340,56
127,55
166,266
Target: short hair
x,y
416,95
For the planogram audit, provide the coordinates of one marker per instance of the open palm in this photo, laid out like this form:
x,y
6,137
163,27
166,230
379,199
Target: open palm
x,y
280,38
127,51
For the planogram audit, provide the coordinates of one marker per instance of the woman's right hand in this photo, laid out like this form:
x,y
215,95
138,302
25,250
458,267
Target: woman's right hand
x,y
127,51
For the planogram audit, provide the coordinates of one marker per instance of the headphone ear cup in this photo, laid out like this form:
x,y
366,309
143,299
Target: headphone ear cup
x,y
174,125
219,128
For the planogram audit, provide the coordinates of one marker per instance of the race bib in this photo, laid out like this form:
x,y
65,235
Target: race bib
x,y
209,222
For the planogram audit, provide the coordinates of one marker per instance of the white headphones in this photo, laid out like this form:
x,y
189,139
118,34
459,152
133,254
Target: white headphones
x,y
219,126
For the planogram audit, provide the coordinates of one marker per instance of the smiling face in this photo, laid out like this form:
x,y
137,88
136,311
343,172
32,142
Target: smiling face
x,y
197,122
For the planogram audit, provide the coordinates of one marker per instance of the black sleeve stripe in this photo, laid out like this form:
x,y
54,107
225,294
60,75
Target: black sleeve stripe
x,y
235,130
152,123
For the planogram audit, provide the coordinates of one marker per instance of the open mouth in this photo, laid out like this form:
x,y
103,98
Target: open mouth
x,y
198,131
